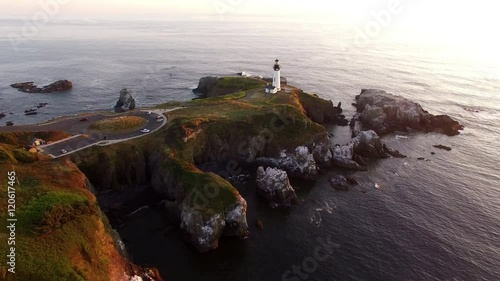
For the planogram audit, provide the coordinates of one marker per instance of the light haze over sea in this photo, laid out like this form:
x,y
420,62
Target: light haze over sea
x,y
430,220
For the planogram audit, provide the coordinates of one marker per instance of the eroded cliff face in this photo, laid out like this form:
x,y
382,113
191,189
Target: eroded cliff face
x,y
205,206
204,229
64,234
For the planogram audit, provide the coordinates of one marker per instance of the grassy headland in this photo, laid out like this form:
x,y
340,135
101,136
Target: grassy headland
x,y
63,232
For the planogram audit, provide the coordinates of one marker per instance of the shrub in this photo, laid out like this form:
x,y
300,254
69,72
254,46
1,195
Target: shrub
x,y
24,156
62,214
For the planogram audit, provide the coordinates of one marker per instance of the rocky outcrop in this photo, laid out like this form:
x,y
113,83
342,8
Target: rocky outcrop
x,y
322,111
206,85
368,144
273,184
203,229
385,113
355,155
300,164
126,102
30,87
339,183
443,147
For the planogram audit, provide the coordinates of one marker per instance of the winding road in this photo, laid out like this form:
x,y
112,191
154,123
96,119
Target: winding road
x,y
83,138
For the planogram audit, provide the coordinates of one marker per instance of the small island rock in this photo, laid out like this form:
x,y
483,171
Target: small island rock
x,y
125,102
275,187
30,87
386,113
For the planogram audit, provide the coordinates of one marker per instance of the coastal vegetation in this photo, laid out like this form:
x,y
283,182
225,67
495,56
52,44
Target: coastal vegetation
x,y
118,124
58,224
240,125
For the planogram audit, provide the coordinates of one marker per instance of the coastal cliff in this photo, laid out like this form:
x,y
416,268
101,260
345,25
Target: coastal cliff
x,y
237,125
59,221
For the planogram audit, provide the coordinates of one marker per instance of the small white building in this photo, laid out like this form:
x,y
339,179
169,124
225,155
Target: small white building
x,y
270,89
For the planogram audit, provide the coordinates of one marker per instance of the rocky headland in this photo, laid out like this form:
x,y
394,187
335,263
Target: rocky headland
x,y
282,137
30,87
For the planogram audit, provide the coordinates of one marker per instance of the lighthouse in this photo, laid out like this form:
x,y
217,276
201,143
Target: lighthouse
x,y
277,75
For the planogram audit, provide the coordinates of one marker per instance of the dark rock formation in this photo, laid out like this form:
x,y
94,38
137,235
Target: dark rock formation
x,y
443,147
30,87
9,123
125,102
322,111
204,229
339,183
275,187
354,155
352,180
369,145
206,85
259,224
386,113
300,164
2,115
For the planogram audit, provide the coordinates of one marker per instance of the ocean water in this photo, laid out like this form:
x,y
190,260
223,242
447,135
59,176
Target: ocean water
x,y
427,220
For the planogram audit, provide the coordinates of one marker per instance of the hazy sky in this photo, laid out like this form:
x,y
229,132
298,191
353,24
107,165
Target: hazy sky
x,y
465,22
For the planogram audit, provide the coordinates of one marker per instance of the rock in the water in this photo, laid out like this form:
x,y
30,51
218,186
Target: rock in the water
x,y
2,115
259,224
366,145
343,156
301,164
30,87
443,147
9,123
203,228
352,180
386,113
275,187
393,152
125,102
339,183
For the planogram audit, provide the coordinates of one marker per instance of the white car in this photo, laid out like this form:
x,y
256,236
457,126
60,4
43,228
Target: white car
x,y
63,151
145,131
159,120
149,112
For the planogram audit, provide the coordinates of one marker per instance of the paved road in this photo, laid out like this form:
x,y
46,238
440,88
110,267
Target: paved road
x,y
82,137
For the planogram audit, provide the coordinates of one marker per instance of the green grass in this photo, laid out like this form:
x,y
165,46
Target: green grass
x,y
24,156
118,124
59,233
240,83
207,192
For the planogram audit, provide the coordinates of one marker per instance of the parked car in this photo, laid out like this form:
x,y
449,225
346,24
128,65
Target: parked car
x,y
63,151
149,112
145,131
159,120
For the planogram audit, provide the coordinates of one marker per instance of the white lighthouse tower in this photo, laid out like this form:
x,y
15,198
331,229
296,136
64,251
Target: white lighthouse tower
x,y
277,75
